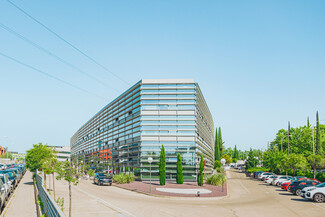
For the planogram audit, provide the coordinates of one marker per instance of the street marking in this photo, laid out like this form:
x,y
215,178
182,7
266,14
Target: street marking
x,y
121,211
319,205
243,186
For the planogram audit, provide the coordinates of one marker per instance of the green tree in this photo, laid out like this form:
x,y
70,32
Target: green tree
x,y
162,166
220,141
227,158
91,173
67,171
200,174
315,162
179,174
251,161
217,147
319,148
217,164
37,155
272,159
49,166
296,161
7,155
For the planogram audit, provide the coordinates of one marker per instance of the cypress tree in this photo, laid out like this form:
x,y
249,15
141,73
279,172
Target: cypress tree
x,y
308,125
234,154
319,149
217,147
201,172
162,166
179,174
220,142
288,136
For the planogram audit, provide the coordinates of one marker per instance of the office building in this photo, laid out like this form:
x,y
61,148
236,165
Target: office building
x,y
134,126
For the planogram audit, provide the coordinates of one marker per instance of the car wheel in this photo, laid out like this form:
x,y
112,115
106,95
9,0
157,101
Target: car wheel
x,y
319,198
298,192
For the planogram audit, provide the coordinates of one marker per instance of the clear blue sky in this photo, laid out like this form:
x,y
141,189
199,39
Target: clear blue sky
x,y
259,63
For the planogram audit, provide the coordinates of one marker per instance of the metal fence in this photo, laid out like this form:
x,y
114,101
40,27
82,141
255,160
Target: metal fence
x,y
50,208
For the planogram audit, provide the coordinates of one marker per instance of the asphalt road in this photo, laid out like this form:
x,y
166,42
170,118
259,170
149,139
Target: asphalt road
x,y
246,197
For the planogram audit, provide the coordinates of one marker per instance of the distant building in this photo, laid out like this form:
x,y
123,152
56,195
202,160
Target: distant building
x,y
63,152
18,156
2,150
134,126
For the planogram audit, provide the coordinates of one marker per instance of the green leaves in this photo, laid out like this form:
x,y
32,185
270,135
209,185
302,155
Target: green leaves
x,y
162,166
179,174
67,171
37,155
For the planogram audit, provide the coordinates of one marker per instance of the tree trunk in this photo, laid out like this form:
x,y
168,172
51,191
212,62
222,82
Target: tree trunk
x,y
314,173
53,186
69,199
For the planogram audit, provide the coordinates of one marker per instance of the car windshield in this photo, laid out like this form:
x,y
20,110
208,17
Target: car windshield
x,y
321,185
102,174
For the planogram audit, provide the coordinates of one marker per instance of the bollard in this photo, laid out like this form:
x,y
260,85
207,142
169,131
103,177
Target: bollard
x,y
198,194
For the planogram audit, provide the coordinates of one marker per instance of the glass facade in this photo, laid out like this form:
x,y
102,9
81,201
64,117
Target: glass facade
x,y
150,114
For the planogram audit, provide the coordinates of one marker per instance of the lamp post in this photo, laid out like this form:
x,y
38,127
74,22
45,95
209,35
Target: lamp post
x,y
150,161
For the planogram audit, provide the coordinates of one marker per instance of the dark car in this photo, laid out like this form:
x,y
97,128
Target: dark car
x,y
12,177
18,173
103,179
256,174
296,187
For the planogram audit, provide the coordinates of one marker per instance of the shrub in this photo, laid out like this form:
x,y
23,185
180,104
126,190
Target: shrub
x,y
216,179
219,170
123,178
320,177
256,169
217,164
91,172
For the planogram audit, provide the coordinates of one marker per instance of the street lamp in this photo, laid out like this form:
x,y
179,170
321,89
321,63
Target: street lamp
x,y
150,161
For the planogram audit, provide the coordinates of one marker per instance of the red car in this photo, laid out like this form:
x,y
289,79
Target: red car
x,y
286,184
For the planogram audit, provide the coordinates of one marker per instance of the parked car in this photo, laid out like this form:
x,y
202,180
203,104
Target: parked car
x,y
315,193
2,167
262,176
277,181
12,177
269,179
255,174
103,179
296,187
16,172
7,184
2,195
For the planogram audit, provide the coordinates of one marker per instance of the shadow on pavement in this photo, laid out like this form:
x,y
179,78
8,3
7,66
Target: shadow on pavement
x,y
300,200
286,194
28,183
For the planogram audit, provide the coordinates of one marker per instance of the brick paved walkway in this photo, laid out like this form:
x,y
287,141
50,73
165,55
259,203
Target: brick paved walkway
x,y
144,187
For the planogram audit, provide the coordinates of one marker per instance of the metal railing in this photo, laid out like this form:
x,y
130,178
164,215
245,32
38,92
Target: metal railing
x,y
50,208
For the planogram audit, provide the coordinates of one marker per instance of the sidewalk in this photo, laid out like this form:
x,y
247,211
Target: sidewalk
x,y
83,204
22,203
